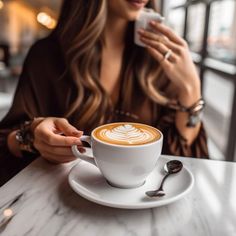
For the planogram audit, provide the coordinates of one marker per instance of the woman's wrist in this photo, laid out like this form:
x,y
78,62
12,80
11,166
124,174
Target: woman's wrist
x,y
25,136
191,103
21,140
13,144
189,95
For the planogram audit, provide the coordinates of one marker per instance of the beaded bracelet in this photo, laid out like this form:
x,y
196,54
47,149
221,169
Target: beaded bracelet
x,y
194,111
196,107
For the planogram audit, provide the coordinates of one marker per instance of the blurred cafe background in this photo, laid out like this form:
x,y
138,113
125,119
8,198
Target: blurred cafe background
x,y
209,26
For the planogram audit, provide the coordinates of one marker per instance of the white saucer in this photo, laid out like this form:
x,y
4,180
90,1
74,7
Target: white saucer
x,y
86,180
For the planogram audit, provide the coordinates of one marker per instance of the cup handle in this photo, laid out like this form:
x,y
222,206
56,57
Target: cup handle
x,y
84,157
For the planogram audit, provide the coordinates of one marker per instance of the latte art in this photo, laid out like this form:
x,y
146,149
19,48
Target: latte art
x,y
127,134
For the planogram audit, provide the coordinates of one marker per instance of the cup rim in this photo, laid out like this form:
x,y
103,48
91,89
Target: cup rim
x,y
128,146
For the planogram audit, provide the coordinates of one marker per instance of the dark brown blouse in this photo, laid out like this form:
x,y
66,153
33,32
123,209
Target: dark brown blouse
x,y
42,93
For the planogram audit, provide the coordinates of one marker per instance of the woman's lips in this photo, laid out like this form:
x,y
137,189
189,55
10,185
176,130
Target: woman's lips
x,y
137,4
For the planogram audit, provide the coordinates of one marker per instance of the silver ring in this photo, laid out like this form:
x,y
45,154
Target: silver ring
x,y
167,54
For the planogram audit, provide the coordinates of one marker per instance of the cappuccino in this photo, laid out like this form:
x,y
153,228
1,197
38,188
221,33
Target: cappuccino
x,y
128,134
114,147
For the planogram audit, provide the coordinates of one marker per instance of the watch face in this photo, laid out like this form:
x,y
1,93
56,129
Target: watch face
x,y
194,119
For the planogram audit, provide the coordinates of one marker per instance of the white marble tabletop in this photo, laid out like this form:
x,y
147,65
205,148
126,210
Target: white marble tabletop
x,y
44,204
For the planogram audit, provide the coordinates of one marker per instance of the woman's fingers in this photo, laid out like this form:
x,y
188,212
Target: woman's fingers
x,y
64,151
66,128
159,38
159,57
163,49
55,150
166,31
53,139
57,132
57,154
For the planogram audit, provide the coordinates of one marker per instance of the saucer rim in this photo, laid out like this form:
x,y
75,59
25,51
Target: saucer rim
x,y
141,205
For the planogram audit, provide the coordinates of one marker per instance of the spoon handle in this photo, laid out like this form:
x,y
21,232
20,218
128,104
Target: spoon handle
x,y
162,182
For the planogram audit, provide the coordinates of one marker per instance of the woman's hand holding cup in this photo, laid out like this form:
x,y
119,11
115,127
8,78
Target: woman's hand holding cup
x,y
53,138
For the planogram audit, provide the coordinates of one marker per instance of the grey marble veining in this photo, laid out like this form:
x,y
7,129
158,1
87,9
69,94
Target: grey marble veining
x,y
44,204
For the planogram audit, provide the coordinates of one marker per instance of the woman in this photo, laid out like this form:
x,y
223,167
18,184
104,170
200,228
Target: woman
x,y
90,72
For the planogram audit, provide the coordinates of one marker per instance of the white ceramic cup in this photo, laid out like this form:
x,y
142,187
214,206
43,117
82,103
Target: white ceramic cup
x,y
123,166
145,16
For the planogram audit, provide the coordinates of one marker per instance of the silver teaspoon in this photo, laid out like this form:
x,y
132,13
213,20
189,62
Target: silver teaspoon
x,y
171,167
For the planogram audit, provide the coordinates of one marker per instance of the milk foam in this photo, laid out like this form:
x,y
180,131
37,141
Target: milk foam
x,y
127,133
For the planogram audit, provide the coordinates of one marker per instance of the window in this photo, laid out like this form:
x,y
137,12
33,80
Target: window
x,y
195,26
170,4
222,31
218,93
175,19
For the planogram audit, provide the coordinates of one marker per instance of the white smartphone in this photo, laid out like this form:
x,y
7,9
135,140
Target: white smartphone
x,y
145,16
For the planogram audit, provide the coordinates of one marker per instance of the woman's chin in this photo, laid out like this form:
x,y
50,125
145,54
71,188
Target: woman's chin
x,y
132,16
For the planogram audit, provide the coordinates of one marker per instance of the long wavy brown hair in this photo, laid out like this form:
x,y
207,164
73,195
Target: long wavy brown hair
x,y
80,33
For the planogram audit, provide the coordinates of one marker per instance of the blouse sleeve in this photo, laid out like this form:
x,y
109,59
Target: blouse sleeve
x,y
175,144
34,97
23,108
